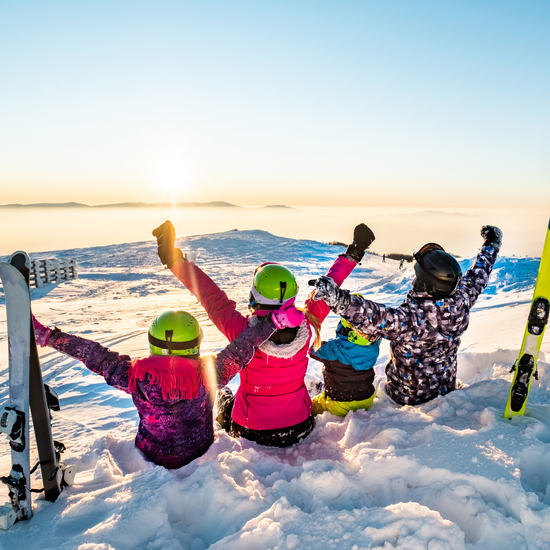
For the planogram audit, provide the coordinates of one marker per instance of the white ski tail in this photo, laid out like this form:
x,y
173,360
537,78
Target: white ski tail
x,y
14,419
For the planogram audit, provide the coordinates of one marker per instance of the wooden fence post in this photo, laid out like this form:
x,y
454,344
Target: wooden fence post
x,y
36,277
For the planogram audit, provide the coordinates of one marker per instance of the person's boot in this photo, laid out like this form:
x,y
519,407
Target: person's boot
x,y
224,405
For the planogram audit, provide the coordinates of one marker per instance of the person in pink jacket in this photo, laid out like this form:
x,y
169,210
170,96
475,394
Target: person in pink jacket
x,y
272,406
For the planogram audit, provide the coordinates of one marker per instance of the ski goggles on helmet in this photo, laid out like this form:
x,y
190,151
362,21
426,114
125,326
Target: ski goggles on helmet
x,y
430,247
347,332
191,346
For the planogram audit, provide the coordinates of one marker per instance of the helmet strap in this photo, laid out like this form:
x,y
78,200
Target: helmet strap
x,y
282,284
169,334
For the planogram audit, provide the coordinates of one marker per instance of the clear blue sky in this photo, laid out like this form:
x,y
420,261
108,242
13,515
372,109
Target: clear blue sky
x,y
429,103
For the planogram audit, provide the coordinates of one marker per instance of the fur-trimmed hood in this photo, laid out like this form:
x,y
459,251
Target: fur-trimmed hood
x,y
286,351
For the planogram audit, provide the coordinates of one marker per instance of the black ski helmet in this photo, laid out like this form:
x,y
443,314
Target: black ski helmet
x,y
437,272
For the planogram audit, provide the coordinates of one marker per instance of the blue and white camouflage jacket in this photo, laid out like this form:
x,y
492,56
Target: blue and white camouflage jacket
x,y
424,333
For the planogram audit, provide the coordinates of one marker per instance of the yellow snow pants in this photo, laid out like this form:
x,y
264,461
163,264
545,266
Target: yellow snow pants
x,y
322,403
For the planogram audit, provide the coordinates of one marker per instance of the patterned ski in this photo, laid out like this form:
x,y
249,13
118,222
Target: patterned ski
x,y
526,366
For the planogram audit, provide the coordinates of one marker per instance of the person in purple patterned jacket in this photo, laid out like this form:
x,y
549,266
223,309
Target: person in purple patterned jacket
x,y
170,387
425,330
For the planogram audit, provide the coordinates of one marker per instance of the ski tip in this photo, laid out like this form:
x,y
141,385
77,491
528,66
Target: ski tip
x,y
20,259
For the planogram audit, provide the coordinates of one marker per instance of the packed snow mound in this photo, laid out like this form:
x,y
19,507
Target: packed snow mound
x,y
447,475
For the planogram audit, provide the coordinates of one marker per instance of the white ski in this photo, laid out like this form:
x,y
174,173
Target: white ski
x,y
14,417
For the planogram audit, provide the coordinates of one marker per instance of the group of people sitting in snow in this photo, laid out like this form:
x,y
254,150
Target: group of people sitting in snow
x,y
174,388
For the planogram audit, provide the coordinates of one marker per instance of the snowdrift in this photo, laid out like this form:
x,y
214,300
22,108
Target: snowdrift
x,y
451,474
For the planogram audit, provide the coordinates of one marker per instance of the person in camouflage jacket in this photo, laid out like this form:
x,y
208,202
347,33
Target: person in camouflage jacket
x,y
424,331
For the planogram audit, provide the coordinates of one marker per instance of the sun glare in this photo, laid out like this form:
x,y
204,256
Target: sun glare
x,y
171,176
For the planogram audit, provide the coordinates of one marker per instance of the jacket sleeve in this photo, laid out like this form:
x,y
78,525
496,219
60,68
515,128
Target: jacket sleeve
x,y
220,309
101,360
324,352
240,351
338,272
475,280
377,320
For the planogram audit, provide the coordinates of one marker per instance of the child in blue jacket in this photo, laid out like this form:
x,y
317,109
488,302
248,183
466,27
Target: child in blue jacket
x,y
348,371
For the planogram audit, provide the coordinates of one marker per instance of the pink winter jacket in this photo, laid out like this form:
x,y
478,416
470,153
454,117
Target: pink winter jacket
x,y
272,394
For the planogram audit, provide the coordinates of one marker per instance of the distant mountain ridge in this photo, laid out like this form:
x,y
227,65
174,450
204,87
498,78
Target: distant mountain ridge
x,y
212,204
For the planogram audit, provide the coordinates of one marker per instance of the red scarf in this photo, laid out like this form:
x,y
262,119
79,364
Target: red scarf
x,y
177,377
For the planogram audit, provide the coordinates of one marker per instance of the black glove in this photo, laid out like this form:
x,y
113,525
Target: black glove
x,y
166,236
363,237
328,291
491,235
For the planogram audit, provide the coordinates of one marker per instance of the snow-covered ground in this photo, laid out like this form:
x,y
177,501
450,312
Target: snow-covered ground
x,y
450,474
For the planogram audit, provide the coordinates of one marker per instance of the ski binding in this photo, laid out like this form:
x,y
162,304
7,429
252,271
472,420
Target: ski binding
x,y
9,514
11,423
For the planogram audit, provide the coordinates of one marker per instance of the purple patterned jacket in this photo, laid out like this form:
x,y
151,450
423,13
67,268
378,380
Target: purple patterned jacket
x,y
173,430
424,333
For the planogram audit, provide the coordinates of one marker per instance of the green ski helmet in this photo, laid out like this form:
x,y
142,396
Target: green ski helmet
x,y
175,332
273,285
345,331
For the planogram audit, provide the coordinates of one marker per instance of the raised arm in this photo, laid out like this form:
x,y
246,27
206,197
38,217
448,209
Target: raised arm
x,y
218,306
338,272
370,318
476,278
363,237
220,309
99,359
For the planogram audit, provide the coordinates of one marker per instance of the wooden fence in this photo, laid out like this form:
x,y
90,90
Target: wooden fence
x,y
52,271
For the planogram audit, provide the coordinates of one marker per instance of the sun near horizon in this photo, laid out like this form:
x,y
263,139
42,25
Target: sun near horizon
x,y
357,104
